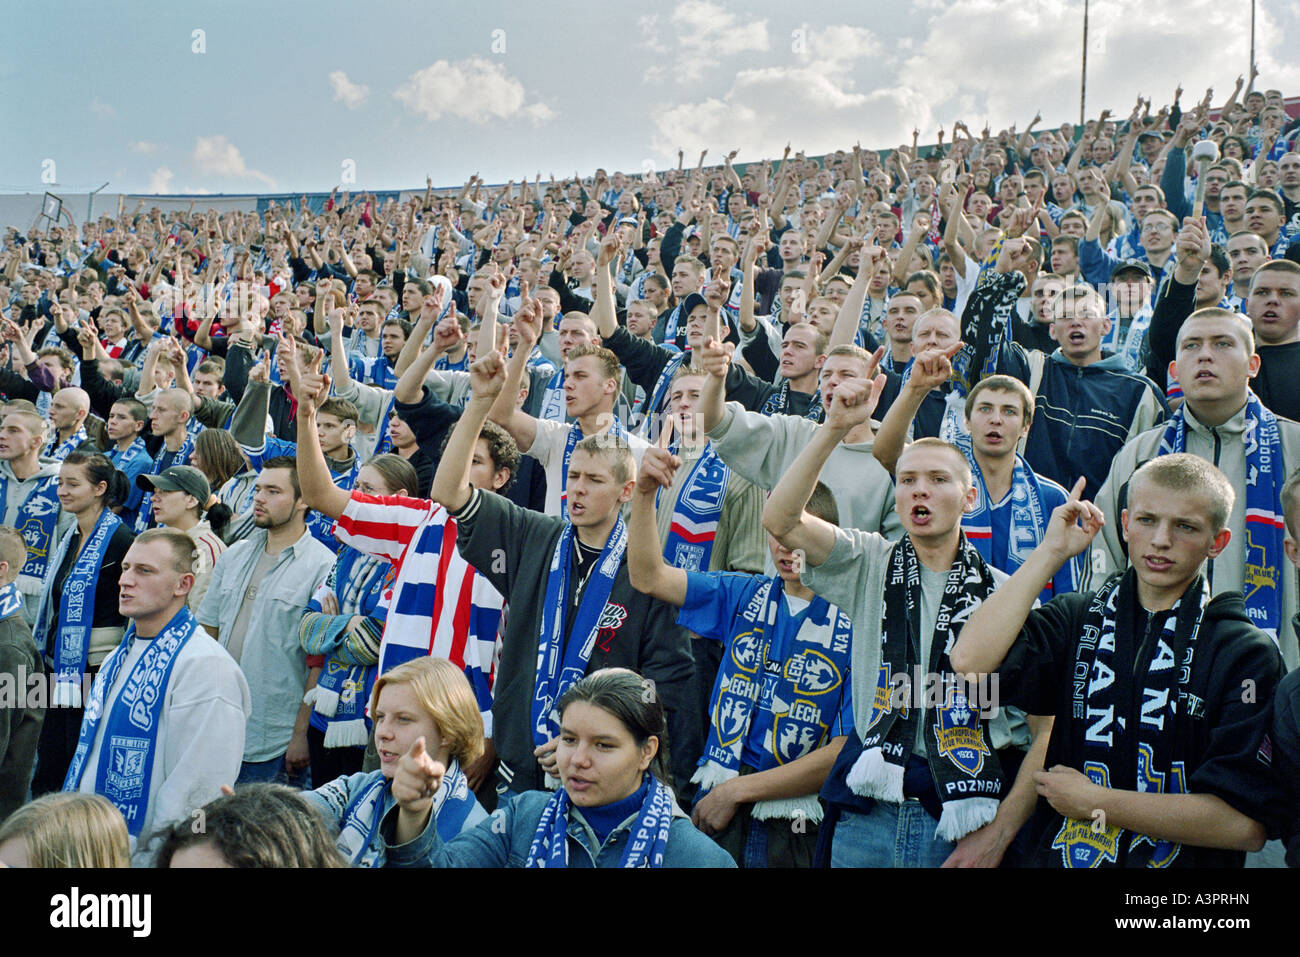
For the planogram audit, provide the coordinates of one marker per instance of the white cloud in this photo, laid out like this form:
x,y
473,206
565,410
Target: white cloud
x,y
1028,57
703,33
103,109
142,146
813,104
217,156
475,89
160,181
350,94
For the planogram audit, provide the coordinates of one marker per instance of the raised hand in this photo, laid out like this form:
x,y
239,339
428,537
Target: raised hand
x,y
658,466
932,368
1073,525
487,376
715,357
417,779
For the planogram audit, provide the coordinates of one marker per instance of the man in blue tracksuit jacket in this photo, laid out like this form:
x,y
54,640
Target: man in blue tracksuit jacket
x,y
1087,404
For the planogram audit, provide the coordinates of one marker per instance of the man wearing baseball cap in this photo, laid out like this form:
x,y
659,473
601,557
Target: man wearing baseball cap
x,y
180,500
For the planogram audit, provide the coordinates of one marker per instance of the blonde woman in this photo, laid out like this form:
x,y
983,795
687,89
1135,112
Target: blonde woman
x,y
65,830
429,702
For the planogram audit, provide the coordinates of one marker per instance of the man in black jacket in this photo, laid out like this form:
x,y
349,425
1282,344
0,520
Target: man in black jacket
x,y
568,590
1161,695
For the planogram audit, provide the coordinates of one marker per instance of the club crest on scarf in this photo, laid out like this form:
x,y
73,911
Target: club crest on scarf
x,y
127,758
887,695
1086,843
1151,781
958,731
797,731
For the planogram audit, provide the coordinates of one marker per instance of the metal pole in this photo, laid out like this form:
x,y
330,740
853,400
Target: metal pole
x,y
1251,74
1083,82
90,200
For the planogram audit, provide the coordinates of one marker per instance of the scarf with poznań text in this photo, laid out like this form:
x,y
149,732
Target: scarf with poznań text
x,y
1265,476
645,847
130,742
779,688
1122,749
967,775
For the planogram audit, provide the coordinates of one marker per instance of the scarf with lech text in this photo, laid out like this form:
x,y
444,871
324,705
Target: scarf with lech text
x,y
779,689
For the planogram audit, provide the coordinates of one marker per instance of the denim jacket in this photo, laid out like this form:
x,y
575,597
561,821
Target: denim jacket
x,y
503,840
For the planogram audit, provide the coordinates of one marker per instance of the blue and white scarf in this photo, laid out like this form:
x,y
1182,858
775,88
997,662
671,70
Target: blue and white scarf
x,y
452,805
444,364
645,847
124,460
76,610
144,518
561,663
1029,513
11,601
38,517
61,450
616,431
697,512
553,407
658,401
1142,751
125,766
674,317
776,659
1265,476
358,582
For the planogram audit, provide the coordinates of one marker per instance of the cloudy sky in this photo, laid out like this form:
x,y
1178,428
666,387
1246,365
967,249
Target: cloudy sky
x,y
240,96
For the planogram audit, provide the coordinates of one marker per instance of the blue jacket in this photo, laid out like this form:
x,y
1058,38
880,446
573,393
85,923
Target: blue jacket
x,y
1083,415
505,838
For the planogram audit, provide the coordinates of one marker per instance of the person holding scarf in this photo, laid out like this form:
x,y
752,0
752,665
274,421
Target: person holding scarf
x,y
440,605
780,693
1158,759
613,809
566,581
77,621
918,783
1014,502
343,624
1223,422
425,699
163,729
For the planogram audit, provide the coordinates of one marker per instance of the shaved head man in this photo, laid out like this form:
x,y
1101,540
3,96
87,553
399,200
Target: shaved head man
x,y
68,412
